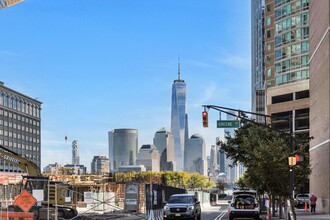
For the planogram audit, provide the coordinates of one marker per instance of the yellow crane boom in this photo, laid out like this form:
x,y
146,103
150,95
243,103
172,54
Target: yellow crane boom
x,y
20,161
7,3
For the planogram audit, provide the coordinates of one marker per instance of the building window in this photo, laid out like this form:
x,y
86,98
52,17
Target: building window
x,y
268,8
269,72
268,21
269,47
268,59
268,33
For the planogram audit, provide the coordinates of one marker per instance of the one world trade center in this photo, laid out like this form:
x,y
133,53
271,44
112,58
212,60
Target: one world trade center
x,y
178,119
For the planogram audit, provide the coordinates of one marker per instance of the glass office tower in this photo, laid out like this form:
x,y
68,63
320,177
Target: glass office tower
x,y
178,119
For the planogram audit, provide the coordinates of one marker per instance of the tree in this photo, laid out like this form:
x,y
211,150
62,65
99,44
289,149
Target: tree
x,y
264,152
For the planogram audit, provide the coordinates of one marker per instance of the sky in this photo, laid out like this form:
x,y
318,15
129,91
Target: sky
x,y
107,64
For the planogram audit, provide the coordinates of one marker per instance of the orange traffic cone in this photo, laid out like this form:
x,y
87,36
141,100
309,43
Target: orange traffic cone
x,y
306,208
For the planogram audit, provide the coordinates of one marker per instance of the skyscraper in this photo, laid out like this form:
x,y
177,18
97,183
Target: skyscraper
x,y
149,157
20,121
75,153
100,165
257,59
163,140
178,113
195,155
123,147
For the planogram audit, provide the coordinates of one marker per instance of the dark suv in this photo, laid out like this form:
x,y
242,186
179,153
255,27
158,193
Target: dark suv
x,y
182,206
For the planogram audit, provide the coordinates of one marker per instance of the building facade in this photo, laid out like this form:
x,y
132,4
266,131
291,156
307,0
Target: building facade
x,y
75,153
163,140
257,59
286,64
178,112
319,66
195,155
100,165
20,123
149,157
123,147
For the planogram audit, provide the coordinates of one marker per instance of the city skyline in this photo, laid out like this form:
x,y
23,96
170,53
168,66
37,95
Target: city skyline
x,y
96,69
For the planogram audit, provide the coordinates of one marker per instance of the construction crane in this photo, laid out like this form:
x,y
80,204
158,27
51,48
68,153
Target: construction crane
x,y
53,201
7,3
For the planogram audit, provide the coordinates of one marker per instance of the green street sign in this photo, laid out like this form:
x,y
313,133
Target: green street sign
x,y
228,124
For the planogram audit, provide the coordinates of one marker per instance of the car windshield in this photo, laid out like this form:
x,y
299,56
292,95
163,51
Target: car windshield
x,y
181,199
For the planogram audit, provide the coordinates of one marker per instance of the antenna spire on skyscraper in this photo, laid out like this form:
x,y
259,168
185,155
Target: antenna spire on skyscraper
x,y
179,68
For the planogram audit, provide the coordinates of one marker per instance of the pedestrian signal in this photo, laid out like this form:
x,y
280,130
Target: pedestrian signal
x,y
205,118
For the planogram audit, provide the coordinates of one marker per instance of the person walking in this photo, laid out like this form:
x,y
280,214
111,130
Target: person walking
x,y
312,200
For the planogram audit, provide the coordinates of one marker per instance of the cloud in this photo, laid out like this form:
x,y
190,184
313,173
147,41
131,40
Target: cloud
x,y
7,53
235,61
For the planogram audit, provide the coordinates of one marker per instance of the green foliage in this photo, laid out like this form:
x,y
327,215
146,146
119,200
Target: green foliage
x,y
265,153
172,178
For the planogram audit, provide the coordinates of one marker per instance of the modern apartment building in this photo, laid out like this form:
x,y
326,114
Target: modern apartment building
x,y
319,68
123,147
286,63
178,112
20,122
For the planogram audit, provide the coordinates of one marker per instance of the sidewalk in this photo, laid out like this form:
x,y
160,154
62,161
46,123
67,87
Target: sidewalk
x,y
306,215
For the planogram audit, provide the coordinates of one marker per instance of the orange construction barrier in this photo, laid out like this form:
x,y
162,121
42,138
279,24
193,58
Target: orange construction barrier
x,y
306,207
17,215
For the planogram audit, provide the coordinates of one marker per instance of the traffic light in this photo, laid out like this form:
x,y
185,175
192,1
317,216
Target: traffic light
x,y
299,158
205,118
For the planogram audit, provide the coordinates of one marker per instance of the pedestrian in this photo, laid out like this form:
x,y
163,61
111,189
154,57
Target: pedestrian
x,y
312,200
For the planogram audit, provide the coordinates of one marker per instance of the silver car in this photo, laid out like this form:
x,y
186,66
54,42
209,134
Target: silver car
x,y
182,206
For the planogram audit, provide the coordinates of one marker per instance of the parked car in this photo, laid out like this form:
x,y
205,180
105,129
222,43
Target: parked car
x,y
182,206
300,200
244,204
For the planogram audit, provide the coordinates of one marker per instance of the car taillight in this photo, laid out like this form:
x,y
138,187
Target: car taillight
x,y
232,205
256,205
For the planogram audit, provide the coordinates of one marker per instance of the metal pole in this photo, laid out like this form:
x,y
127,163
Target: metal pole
x,y
48,200
55,201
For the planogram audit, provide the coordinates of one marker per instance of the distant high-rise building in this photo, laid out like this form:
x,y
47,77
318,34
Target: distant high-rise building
x,y
123,147
257,59
221,156
195,155
20,122
75,153
230,167
100,165
149,157
163,140
213,166
178,112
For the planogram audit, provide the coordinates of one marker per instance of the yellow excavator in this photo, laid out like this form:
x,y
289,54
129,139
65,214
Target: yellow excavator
x,y
58,196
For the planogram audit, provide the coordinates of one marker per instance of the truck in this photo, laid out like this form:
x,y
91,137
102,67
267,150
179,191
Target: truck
x,y
57,196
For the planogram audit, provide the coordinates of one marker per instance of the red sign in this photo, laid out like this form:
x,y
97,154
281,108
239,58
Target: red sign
x,y
25,201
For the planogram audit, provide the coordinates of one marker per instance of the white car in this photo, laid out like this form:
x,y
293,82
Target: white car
x,y
244,204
